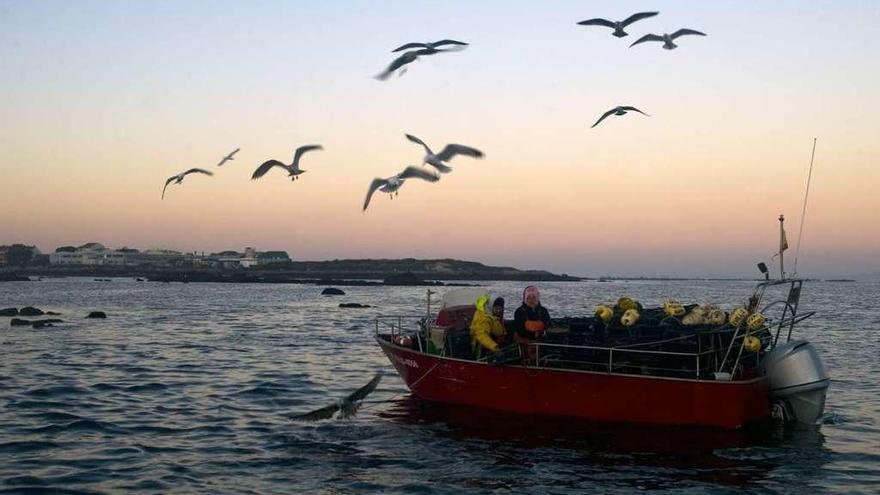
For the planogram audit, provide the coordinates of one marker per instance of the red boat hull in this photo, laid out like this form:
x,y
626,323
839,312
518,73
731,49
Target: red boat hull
x,y
588,395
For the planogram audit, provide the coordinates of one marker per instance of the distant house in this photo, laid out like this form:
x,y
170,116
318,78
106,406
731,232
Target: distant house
x,y
227,254
268,257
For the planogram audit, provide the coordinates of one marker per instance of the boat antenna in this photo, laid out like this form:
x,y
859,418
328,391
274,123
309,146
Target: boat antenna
x,y
804,211
783,245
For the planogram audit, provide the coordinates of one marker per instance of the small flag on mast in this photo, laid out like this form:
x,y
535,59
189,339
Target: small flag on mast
x,y
783,241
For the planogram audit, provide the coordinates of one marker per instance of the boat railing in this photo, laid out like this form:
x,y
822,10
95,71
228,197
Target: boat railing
x,y
402,325
547,355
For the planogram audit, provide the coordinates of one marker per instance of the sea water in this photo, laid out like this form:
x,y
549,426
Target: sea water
x,y
186,388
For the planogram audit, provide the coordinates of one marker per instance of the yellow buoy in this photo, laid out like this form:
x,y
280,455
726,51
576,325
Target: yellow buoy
x,y
738,315
630,317
626,303
755,321
752,344
673,308
716,317
604,313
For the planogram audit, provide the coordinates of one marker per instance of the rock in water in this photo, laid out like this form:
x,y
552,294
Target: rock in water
x,y
97,314
30,311
45,323
16,322
9,312
353,305
332,291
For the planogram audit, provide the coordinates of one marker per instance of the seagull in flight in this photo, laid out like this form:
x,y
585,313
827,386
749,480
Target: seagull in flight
x,y
178,179
229,157
433,45
667,38
618,111
407,58
293,169
392,184
449,152
348,405
618,26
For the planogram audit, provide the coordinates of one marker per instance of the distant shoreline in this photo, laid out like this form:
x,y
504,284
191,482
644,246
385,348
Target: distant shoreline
x,y
251,276
339,272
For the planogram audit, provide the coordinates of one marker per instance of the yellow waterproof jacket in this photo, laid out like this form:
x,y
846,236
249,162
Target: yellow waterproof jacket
x,y
484,326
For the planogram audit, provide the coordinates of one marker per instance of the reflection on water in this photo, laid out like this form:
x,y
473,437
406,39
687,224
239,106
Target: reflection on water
x,y
734,458
187,388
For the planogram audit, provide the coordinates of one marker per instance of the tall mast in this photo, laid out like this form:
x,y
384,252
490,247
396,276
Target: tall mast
x,y
797,250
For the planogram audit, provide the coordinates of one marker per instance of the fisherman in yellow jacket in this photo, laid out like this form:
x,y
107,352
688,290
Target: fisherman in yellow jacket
x,y
487,326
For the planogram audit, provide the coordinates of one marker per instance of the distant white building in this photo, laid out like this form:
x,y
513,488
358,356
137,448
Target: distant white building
x,y
93,253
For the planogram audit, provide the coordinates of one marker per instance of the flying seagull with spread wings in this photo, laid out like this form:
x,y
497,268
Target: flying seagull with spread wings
x,y
449,152
433,45
229,157
293,170
618,111
618,26
667,38
178,179
348,405
392,184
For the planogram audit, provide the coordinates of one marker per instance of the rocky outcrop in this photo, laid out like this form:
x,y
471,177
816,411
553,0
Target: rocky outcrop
x,y
17,322
30,311
332,291
354,305
45,323
97,314
9,312
13,277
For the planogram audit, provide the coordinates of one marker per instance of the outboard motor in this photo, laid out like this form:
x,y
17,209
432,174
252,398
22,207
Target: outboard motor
x,y
798,382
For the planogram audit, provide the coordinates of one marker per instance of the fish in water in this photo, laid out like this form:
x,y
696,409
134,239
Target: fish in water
x,y
348,406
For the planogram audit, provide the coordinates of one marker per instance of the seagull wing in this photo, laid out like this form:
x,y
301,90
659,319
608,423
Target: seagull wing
x,y
682,32
637,17
366,390
609,112
418,173
318,414
419,141
634,109
443,169
170,179
408,46
448,42
265,167
398,63
458,149
647,37
198,171
228,157
376,184
598,22
304,149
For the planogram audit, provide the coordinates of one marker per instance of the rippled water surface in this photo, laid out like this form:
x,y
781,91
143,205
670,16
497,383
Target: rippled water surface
x,y
186,387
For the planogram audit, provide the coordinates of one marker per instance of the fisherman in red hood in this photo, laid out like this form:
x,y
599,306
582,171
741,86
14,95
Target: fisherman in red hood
x,y
530,321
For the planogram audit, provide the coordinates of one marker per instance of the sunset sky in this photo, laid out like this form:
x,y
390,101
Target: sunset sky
x,y
101,101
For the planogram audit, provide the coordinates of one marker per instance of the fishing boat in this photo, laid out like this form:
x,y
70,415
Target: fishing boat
x,y
660,369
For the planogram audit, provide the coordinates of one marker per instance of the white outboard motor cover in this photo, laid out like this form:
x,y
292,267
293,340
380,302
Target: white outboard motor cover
x,y
798,382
